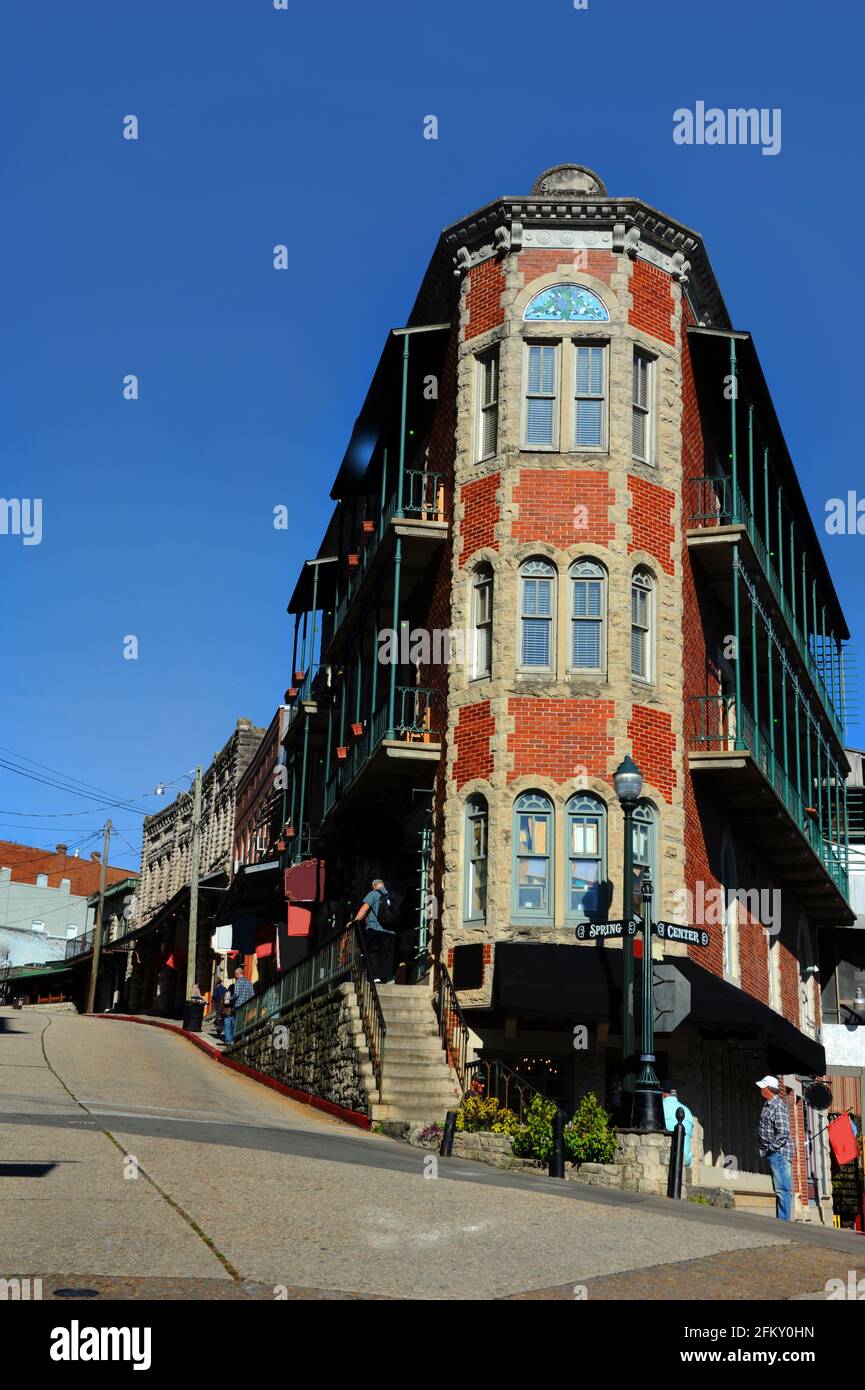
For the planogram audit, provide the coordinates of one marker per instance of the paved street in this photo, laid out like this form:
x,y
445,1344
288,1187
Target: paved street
x,y
240,1190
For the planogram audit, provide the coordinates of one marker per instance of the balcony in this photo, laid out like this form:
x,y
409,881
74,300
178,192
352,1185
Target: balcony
x,y
80,945
719,519
420,522
726,748
380,754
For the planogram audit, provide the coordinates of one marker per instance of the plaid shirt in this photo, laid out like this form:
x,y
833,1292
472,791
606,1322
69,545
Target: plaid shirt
x,y
242,991
773,1131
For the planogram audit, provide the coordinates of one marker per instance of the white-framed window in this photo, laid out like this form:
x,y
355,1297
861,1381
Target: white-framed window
x,y
642,407
590,396
533,858
588,616
644,853
37,926
477,828
41,880
541,405
585,827
480,665
642,624
488,404
537,589
730,889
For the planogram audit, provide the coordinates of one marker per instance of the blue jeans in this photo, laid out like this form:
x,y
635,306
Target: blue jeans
x,y
782,1180
228,1029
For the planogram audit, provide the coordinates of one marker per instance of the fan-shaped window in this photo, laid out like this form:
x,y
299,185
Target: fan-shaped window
x,y
586,856
588,616
477,820
566,304
537,614
533,857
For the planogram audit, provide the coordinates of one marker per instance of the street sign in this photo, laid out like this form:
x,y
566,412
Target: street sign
x,y
671,995
671,931
590,931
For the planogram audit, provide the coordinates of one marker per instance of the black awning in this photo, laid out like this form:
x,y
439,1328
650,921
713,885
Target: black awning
x,y
585,983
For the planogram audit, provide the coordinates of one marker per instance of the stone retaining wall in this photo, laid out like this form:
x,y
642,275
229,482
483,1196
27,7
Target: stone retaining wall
x,y
319,1048
641,1163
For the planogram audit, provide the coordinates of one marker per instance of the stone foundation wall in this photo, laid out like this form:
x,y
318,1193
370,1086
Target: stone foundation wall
x,y
641,1163
319,1048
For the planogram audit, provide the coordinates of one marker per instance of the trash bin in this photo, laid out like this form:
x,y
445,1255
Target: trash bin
x,y
193,1015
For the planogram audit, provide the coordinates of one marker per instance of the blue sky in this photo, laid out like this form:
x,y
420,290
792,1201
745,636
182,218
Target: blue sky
x,y
304,127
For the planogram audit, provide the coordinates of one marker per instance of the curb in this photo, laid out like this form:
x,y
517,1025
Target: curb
x,y
329,1107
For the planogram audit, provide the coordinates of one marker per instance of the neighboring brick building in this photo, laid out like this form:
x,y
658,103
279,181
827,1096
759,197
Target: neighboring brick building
x,y
157,970
591,488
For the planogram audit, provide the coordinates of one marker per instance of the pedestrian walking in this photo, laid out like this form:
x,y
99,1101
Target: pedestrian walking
x,y
226,1016
218,993
377,910
775,1144
671,1105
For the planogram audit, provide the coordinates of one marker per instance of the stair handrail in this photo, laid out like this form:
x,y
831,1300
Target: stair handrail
x,y
453,1029
492,1068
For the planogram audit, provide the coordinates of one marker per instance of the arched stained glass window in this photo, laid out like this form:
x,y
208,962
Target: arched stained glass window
x,y
566,304
533,857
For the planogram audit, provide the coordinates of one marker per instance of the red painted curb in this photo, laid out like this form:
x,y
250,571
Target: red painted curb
x,y
351,1117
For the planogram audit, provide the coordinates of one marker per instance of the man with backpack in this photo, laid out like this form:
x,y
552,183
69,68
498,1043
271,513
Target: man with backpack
x,y
379,913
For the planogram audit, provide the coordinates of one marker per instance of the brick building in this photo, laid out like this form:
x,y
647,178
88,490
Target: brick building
x,y
569,464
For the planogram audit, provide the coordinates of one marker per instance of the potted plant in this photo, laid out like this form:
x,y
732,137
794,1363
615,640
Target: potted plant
x,y
291,692
342,753
299,675
352,561
357,730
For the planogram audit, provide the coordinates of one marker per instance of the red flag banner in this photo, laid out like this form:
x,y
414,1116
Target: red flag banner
x,y
842,1140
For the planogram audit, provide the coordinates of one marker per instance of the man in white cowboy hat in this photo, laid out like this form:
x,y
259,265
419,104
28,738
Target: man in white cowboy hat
x,y
775,1144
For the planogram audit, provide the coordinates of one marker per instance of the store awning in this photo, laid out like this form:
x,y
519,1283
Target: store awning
x,y
585,983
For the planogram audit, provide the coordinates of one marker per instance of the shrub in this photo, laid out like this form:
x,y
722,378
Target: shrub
x,y
534,1139
590,1137
478,1112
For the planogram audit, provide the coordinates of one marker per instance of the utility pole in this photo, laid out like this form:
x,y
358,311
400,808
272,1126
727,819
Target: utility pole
x,y
192,948
97,931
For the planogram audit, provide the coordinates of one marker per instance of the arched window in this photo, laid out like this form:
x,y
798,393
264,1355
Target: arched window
x,y
566,304
533,857
586,830
480,657
588,616
477,824
730,912
642,625
644,838
537,615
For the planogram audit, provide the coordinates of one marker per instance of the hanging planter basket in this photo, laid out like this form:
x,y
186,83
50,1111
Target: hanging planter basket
x,y
292,692
342,754
299,675
357,730
352,561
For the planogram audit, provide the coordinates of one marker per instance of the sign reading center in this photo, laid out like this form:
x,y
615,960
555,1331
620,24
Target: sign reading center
x,y
590,931
671,931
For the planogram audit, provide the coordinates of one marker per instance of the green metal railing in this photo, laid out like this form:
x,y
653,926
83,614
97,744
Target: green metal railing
x,y
423,500
718,725
415,721
717,504
338,960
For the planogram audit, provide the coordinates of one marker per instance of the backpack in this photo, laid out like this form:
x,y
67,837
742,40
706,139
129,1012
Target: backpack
x,y
389,905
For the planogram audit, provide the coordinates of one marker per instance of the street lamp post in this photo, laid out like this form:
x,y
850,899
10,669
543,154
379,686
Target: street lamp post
x,y
648,1112
628,782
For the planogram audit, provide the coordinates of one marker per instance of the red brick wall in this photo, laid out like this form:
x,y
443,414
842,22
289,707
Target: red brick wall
x,y
474,728
552,738
83,874
652,527
484,300
652,301
480,514
654,745
535,263
753,956
547,500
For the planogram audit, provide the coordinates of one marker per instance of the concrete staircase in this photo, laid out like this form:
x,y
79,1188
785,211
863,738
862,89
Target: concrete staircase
x,y
418,1085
